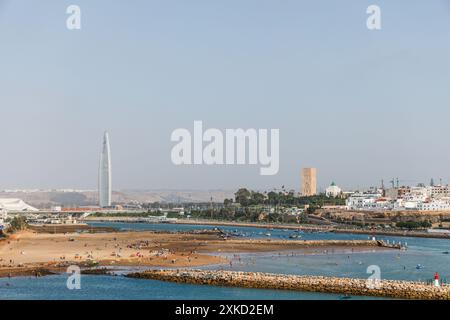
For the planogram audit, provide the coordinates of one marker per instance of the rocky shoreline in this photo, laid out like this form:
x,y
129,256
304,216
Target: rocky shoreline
x,y
317,228
319,243
347,286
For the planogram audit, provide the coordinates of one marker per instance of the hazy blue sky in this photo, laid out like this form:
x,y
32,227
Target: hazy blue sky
x,y
359,105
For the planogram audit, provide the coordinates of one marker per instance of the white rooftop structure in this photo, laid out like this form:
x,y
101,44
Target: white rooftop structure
x,y
333,190
15,205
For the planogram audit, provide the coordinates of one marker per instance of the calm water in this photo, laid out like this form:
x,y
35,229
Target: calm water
x,y
394,264
109,287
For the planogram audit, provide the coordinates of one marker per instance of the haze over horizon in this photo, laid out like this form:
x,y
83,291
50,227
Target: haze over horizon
x,y
358,105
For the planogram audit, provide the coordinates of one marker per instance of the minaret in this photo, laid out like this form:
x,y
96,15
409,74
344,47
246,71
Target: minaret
x,y
104,174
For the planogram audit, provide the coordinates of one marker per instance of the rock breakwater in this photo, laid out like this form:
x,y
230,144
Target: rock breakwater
x,y
347,286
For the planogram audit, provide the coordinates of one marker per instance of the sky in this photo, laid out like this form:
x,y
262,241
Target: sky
x,y
359,105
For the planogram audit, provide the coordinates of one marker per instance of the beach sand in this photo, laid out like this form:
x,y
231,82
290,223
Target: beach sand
x,y
31,250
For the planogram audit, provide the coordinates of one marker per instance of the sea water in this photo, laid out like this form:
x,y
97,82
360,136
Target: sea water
x,y
394,264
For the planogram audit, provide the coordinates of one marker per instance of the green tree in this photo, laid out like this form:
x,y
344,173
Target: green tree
x,y
257,198
243,197
413,224
273,197
18,223
227,202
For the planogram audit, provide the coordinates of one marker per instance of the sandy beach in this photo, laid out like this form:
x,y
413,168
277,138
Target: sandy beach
x,y
126,248
32,250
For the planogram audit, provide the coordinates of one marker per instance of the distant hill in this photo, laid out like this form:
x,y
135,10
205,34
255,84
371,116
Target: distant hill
x,y
47,199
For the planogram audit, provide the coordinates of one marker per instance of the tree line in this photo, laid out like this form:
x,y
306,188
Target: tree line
x,y
247,198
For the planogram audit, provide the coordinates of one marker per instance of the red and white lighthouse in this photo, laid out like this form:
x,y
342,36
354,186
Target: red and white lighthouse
x,y
436,280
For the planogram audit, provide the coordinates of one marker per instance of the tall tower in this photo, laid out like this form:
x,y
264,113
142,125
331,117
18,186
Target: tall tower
x,y
104,174
309,182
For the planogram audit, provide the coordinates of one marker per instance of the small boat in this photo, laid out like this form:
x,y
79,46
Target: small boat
x,y
294,236
268,234
419,266
346,297
445,252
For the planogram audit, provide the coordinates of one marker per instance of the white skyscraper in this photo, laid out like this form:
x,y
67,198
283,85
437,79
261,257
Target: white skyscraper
x,y
104,174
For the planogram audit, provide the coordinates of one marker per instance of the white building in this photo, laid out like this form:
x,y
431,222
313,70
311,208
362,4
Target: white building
x,y
421,198
56,209
368,201
3,217
411,199
439,192
420,193
430,198
333,191
433,205
15,205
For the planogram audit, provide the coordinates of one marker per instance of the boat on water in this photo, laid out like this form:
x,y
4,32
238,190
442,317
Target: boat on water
x,y
419,266
268,234
445,252
346,297
294,236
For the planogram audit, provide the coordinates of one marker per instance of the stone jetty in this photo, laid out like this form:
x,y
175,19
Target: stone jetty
x,y
318,243
347,286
